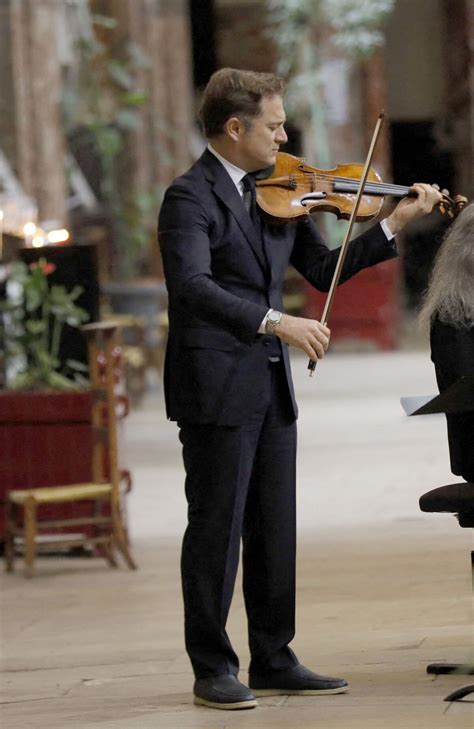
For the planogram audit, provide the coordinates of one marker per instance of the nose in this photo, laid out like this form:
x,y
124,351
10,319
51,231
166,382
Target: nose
x,y
281,137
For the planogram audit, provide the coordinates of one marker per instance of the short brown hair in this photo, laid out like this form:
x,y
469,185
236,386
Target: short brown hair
x,y
231,92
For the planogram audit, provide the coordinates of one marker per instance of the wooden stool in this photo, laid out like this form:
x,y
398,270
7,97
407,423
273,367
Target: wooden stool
x,y
104,490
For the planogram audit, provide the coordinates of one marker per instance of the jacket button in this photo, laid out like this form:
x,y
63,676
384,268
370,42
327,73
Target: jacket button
x,y
266,342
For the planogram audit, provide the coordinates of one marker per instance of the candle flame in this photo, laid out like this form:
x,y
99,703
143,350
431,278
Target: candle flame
x,y
58,236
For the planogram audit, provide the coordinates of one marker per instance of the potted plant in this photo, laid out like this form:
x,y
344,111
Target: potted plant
x,y
45,433
35,316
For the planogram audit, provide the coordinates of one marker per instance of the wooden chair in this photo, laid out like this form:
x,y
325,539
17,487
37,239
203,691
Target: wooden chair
x,y
105,525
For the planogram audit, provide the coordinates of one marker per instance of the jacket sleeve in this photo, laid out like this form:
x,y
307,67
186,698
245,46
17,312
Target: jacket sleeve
x,y
312,258
183,233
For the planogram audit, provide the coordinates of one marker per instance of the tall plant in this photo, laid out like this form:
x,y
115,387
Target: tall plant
x,y
356,31
101,99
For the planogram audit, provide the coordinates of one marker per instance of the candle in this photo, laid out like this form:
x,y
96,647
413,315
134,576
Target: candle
x,y
58,236
37,241
29,229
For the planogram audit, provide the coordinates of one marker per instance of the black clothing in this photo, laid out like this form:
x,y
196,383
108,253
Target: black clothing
x,y
452,352
236,409
220,289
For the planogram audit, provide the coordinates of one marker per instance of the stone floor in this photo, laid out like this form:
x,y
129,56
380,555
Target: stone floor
x,y
382,588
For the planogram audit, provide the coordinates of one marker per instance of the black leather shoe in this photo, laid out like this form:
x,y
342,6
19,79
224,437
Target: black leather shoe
x,y
223,692
297,680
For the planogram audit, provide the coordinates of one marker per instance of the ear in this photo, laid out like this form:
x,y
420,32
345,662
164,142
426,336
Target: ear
x,y
234,128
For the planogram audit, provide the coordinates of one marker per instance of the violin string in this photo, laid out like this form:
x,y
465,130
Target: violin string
x,y
381,188
351,180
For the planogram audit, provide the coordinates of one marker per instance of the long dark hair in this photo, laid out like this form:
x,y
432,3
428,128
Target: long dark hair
x,y
450,292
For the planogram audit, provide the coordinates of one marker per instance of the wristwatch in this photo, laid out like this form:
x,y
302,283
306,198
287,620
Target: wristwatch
x,y
273,319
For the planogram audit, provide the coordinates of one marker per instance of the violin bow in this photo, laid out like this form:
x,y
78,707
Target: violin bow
x,y
342,253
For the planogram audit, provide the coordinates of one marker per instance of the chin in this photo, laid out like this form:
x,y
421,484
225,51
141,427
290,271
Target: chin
x,y
271,159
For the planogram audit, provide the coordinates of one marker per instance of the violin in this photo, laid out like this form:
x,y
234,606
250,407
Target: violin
x,y
295,189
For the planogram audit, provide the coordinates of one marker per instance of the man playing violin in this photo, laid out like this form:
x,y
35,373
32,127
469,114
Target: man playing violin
x,y
228,384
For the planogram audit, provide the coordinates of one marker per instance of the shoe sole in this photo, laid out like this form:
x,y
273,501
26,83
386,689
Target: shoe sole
x,y
299,692
234,705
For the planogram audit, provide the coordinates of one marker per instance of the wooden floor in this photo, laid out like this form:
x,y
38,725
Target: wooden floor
x,y
382,591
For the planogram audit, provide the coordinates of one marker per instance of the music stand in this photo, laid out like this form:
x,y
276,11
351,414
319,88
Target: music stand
x,y
457,398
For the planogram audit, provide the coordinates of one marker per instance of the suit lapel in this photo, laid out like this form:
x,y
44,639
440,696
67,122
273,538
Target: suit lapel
x,y
225,190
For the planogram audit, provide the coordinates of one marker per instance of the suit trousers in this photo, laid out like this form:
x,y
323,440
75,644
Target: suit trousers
x,y
240,486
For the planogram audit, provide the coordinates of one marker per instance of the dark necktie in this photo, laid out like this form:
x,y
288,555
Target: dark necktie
x,y
250,202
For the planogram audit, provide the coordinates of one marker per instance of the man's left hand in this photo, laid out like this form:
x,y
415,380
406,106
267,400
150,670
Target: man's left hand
x,y
414,207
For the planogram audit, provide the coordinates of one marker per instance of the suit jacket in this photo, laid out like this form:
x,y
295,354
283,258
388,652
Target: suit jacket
x,y
221,281
452,352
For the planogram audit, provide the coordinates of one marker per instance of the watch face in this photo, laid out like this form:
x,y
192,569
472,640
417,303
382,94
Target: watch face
x,y
273,319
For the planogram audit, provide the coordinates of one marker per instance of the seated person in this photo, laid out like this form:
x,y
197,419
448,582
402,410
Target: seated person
x,y
448,314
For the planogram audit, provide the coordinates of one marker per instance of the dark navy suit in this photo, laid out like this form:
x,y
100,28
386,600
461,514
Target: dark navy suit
x,y
236,408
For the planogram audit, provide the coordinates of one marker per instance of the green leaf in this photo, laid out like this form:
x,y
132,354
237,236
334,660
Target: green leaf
x,y
110,142
120,75
81,382
138,58
35,326
76,292
33,299
104,21
127,119
74,364
59,382
134,98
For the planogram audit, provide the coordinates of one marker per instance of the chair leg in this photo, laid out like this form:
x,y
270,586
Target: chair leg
x,y
108,549
9,537
121,541
460,693
30,530
103,549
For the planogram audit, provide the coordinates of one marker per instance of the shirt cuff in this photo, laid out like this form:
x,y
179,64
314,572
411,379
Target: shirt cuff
x,y
261,329
386,229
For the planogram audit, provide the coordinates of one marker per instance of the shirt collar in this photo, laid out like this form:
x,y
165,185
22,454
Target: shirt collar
x,y
234,172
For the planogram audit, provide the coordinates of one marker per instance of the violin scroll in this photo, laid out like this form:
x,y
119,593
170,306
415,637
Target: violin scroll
x,y
452,206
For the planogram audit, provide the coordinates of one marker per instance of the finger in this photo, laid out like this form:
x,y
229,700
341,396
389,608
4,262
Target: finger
x,y
321,331
312,354
428,196
429,191
322,328
318,347
321,339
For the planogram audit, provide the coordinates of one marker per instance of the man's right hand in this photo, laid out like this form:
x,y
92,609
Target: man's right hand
x,y
308,334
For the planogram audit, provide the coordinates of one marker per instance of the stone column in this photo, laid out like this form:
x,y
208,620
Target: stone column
x,y
159,149
171,87
36,78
